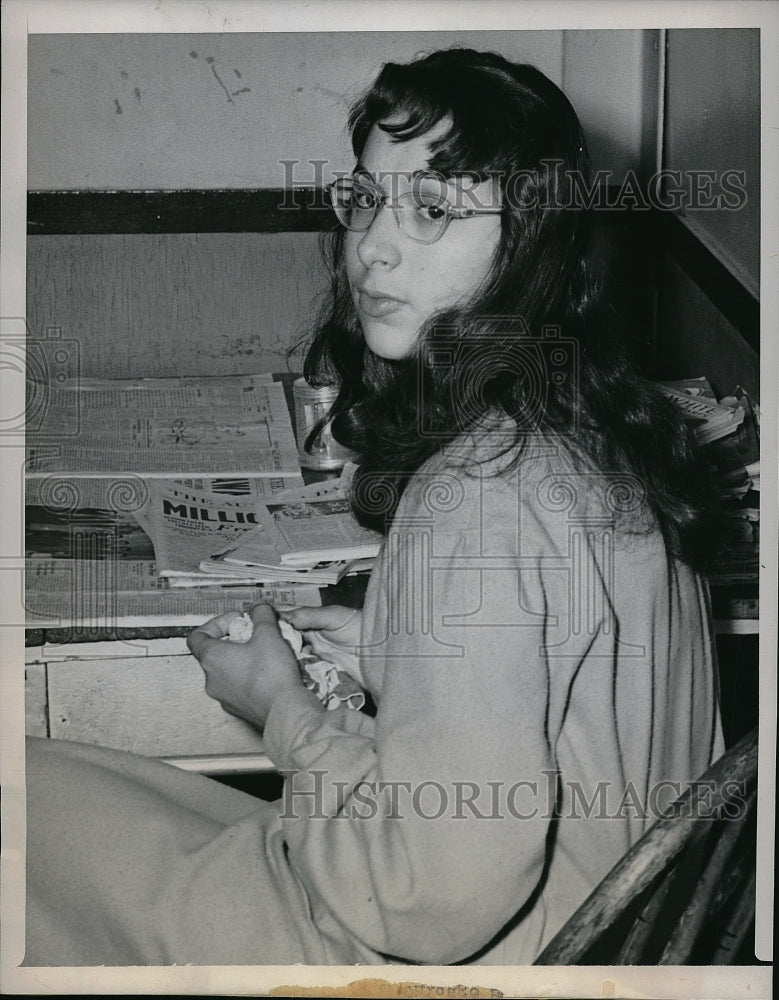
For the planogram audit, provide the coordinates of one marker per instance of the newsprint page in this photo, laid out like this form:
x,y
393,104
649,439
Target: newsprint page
x,y
530,249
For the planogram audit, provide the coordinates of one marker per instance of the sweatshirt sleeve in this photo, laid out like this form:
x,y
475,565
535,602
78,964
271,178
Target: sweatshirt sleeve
x,y
423,831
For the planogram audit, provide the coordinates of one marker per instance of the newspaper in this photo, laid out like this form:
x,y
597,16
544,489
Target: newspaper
x,y
730,427
196,523
308,531
190,520
104,608
93,567
164,427
308,526
711,419
322,574
45,575
696,386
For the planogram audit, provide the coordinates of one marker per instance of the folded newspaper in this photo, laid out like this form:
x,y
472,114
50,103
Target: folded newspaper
x,y
323,574
189,520
85,598
730,427
197,523
308,526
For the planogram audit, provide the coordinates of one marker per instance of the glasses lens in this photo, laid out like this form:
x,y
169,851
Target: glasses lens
x,y
355,205
424,216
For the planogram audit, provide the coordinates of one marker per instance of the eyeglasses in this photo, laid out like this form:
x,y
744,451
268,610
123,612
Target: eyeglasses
x,y
422,215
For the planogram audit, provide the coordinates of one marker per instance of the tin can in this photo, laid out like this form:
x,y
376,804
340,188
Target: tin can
x,y
311,404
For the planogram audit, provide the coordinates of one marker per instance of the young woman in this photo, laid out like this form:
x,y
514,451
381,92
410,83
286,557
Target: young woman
x,y
535,634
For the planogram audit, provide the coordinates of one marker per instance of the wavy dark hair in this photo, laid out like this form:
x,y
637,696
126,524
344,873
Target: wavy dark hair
x,y
507,121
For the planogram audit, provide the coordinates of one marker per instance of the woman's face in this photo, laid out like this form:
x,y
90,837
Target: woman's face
x,y
396,283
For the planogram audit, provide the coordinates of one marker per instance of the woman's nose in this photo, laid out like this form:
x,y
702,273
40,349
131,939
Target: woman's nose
x,y
380,243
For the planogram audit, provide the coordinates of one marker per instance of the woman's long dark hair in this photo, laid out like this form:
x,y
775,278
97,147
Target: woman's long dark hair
x,y
508,122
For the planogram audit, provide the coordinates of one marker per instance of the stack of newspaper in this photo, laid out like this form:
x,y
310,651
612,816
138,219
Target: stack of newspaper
x,y
105,457
303,533
730,430
91,567
712,420
210,531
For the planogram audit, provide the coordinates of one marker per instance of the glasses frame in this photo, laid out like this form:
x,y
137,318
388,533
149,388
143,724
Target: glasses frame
x,y
385,201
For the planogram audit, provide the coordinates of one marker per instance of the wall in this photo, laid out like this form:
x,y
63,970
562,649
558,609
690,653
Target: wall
x,y
695,339
189,111
713,126
712,123
191,304
112,112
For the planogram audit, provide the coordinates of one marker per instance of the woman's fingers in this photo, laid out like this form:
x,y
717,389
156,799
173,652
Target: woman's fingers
x,y
326,619
214,629
245,677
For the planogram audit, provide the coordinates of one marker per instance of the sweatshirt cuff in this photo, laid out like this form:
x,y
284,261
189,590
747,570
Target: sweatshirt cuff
x,y
293,712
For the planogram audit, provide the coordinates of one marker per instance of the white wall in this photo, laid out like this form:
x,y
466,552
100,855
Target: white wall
x,y
149,112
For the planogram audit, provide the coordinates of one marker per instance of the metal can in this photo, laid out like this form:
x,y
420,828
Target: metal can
x,y
311,405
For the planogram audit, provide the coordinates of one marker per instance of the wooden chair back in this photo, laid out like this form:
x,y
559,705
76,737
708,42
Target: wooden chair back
x,y
684,894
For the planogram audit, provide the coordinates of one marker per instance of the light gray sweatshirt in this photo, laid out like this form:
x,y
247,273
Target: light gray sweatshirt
x,y
546,684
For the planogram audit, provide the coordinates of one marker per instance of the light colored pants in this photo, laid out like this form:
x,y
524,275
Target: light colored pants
x,y
134,862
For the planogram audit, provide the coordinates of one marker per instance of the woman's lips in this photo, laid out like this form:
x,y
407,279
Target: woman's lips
x,y
376,305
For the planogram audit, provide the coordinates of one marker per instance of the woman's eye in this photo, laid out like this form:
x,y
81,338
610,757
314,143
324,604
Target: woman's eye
x,y
363,199
432,213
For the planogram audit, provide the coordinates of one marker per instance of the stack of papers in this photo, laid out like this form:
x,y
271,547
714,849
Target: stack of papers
x,y
163,427
730,430
131,483
711,419
93,568
189,520
305,532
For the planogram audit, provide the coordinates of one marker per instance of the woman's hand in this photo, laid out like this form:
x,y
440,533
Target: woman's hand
x,y
245,677
335,623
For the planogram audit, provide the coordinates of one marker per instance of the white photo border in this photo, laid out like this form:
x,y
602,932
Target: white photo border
x,y
23,17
